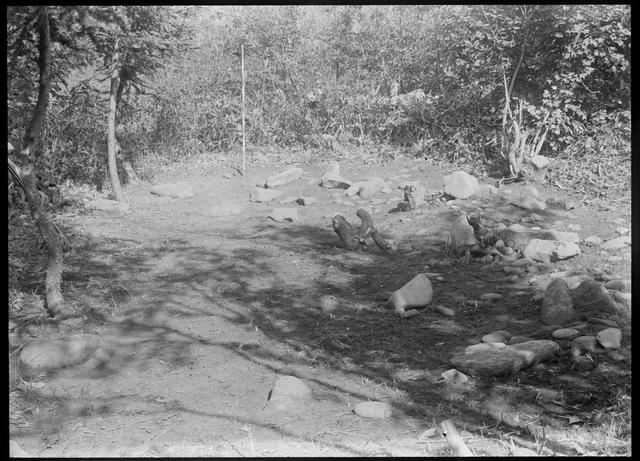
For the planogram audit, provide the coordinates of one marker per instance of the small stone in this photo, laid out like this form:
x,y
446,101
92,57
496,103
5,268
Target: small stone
x,y
501,336
569,237
490,296
378,410
565,250
454,377
565,333
517,227
227,175
574,227
519,339
334,181
288,199
586,343
624,298
620,285
622,230
610,338
484,346
591,296
288,393
445,311
593,241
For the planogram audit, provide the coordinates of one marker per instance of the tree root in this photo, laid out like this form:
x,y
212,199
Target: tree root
x,y
354,240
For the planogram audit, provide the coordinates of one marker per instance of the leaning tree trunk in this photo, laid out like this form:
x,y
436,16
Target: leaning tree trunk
x,y
54,300
111,126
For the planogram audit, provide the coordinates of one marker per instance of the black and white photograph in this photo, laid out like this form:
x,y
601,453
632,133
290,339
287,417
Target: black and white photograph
x,y
319,230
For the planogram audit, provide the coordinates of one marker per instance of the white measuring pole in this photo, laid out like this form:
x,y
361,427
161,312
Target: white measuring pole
x,y
243,136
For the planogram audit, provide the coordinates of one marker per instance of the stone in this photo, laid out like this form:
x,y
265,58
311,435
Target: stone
x,y
501,336
593,241
260,194
176,190
454,377
522,262
334,181
617,243
528,202
624,298
223,211
610,338
353,189
592,296
288,393
284,177
540,250
371,187
50,354
568,237
557,305
505,360
539,161
378,410
622,230
418,292
536,350
574,227
284,214
517,228
108,205
490,296
487,190
445,311
460,185
620,285
306,200
227,175
484,346
495,362
565,250
586,343
461,233
565,333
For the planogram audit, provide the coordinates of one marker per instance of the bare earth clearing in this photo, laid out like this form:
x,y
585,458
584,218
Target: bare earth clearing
x,y
201,314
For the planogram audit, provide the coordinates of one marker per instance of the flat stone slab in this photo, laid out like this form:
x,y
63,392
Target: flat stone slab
x,y
505,360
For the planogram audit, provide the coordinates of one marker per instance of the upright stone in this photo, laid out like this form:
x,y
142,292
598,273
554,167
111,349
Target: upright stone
x,y
557,305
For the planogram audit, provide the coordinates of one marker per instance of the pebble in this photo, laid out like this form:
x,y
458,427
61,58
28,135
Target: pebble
x,y
565,333
378,410
501,336
445,311
490,296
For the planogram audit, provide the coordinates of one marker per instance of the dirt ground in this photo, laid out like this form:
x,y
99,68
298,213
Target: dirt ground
x,y
201,314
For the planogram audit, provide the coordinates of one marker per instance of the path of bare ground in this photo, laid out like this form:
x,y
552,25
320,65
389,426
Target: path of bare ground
x,y
201,315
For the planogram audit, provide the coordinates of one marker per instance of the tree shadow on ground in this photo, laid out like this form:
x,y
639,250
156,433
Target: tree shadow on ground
x,y
273,280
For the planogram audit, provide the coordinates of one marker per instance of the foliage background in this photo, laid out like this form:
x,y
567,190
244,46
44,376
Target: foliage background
x,y
423,80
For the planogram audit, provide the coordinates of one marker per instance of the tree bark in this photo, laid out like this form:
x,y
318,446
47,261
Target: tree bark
x,y
116,188
55,303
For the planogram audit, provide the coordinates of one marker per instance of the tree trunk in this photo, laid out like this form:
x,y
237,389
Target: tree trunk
x,y
116,188
27,177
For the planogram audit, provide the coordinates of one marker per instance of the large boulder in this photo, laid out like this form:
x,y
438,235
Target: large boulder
x,y
460,185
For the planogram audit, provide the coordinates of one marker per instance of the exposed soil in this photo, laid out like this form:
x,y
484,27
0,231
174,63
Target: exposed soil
x,y
201,314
